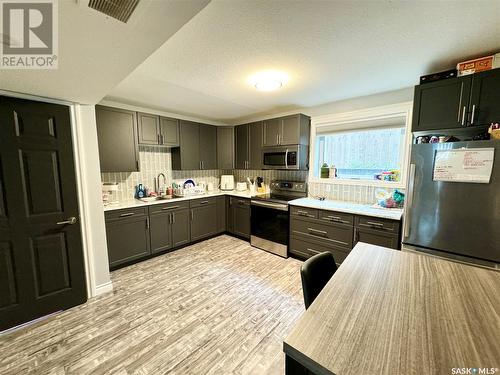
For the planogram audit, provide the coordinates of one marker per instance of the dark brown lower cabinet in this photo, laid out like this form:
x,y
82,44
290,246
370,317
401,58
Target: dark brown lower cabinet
x,y
181,230
313,231
239,216
221,214
203,218
127,232
161,231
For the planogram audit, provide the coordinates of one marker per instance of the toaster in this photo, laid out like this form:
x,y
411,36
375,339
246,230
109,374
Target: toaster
x,y
227,182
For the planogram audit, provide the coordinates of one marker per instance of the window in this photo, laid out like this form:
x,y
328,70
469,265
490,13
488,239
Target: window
x,y
366,148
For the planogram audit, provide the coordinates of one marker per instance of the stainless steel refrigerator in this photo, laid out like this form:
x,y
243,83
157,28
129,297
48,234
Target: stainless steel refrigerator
x,y
454,219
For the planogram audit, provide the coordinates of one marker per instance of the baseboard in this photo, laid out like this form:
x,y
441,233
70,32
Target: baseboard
x,y
103,288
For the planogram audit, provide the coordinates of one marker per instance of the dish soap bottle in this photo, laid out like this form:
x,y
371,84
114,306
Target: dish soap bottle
x,y
140,192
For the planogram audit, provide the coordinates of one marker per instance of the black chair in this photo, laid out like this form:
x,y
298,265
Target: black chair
x,y
315,273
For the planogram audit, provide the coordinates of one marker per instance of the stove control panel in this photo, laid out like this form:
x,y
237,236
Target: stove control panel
x,y
298,186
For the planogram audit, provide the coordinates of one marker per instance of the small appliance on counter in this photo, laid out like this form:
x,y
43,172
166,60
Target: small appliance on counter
x,y
241,186
108,188
227,182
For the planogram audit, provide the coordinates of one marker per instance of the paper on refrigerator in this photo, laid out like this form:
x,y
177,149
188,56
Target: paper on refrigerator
x,y
464,165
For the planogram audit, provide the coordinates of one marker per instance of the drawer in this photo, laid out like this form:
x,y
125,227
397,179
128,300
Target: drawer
x,y
168,207
336,217
126,212
234,201
202,202
304,211
305,250
385,225
334,234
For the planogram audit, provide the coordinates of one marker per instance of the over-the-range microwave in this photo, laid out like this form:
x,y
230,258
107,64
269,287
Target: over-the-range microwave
x,y
293,157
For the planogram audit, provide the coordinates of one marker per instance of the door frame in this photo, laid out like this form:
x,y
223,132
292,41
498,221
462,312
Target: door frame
x,y
93,289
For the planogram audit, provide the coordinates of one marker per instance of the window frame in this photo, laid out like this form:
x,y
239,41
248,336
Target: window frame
x,y
347,121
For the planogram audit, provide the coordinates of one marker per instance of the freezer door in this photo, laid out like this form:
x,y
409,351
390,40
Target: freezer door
x,y
455,217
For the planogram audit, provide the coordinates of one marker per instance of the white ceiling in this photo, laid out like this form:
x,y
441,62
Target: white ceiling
x,y
96,52
332,50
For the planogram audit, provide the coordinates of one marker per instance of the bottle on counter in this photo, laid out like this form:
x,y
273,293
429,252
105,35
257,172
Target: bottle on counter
x,y
332,172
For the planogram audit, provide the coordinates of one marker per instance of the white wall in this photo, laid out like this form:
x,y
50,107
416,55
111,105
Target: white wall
x,y
92,208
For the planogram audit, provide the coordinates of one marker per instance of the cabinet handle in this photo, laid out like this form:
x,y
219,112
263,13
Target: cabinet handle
x,y
473,112
137,165
301,213
147,222
241,202
463,116
204,202
321,232
159,138
170,208
170,219
375,223
127,214
192,215
173,218
315,251
356,235
277,139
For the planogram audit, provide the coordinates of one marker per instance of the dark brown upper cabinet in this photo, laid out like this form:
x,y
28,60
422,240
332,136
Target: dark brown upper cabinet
x,y
225,147
460,102
288,130
158,131
248,141
197,147
117,139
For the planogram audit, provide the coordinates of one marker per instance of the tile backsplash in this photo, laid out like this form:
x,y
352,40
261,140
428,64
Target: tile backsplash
x,y
155,160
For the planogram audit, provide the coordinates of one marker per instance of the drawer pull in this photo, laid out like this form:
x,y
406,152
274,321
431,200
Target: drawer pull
x,y
312,250
241,202
127,214
170,208
375,223
204,202
321,232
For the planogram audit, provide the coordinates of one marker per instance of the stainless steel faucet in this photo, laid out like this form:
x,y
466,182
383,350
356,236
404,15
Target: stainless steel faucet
x,y
159,187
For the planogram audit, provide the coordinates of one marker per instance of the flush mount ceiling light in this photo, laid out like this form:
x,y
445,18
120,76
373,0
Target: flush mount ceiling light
x,y
268,80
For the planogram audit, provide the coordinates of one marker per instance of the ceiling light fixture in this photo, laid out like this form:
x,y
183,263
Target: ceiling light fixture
x,y
268,80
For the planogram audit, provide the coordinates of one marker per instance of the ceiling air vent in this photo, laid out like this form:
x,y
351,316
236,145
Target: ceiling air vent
x,y
119,9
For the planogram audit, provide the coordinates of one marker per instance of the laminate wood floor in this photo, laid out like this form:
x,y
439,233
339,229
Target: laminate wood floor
x,y
216,307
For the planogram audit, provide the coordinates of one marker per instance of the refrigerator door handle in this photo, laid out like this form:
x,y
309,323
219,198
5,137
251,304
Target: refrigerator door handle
x,y
409,200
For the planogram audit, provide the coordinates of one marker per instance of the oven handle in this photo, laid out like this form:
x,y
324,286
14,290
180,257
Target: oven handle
x,y
276,206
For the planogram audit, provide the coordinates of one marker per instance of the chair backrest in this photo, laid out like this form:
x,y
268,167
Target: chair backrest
x,y
315,273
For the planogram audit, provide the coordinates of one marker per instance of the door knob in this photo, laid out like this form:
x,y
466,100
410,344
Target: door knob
x,y
71,220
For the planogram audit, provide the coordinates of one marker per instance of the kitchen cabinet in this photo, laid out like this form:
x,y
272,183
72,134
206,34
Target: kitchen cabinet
x,y
169,226
314,230
203,214
221,214
240,216
158,131
225,147
208,147
460,102
287,130
127,233
249,146
197,147
117,139
485,98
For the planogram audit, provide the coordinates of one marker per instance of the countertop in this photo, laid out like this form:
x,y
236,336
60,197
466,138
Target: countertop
x,y
139,203
391,312
348,207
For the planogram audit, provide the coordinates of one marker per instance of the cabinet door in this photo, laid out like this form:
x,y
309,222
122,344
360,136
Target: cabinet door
x,y
189,146
290,130
160,231
208,146
128,240
376,238
149,133
169,131
241,217
181,234
229,214
117,138
255,145
202,221
485,98
442,104
221,214
272,132
225,147
241,146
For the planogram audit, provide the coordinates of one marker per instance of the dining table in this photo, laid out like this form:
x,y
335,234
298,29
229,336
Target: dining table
x,y
387,311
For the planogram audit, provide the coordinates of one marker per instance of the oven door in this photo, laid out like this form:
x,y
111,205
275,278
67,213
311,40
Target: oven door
x,y
269,227
280,158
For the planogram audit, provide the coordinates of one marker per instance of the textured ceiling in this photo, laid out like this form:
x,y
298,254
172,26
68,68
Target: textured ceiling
x,y
96,52
332,50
